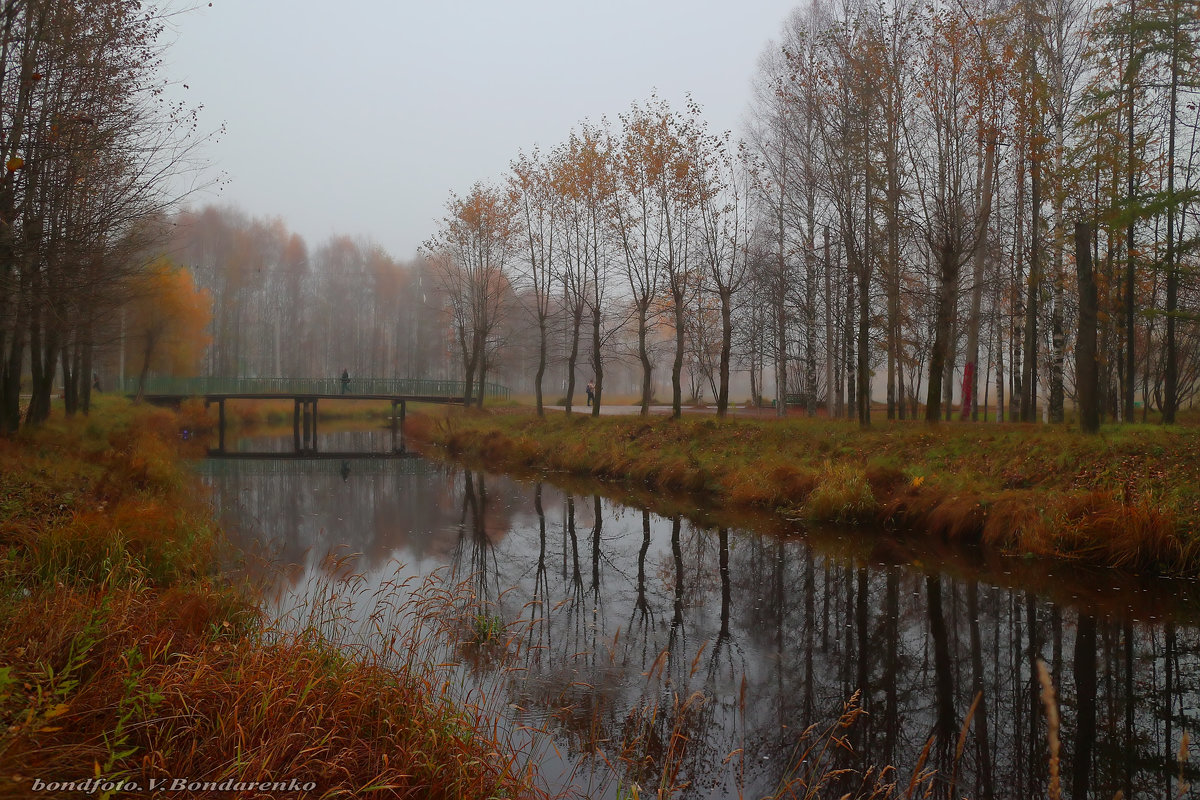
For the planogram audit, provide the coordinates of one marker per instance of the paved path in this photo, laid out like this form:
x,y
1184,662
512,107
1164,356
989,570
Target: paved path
x,y
607,410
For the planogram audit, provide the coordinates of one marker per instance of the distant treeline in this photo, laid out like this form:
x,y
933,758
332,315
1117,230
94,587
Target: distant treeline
x,y
283,309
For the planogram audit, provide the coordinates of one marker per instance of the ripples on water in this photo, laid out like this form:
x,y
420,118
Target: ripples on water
x,y
709,650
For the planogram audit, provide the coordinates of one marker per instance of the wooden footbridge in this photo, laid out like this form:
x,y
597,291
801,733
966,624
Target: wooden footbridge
x,y
305,393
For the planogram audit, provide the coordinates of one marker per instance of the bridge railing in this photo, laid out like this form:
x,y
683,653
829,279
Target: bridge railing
x,y
196,387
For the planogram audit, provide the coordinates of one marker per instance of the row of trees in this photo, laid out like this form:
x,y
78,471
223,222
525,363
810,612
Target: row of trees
x,y
900,218
88,143
948,153
615,237
283,308
906,205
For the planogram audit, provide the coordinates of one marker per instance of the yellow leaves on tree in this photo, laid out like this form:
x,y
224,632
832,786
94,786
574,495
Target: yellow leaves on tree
x,y
167,327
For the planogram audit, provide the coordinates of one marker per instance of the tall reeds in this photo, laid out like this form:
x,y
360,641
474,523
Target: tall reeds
x,y
1050,705
129,658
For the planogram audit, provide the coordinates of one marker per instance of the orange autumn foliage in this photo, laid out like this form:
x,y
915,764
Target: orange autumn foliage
x,y
167,326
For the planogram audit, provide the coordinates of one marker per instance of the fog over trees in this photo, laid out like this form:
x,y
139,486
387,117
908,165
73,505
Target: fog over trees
x,y
283,308
899,226
902,223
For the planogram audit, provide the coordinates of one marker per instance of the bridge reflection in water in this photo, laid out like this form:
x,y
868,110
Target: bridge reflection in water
x,y
234,464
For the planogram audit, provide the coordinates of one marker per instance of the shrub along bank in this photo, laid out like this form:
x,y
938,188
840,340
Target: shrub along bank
x,y
1129,497
124,656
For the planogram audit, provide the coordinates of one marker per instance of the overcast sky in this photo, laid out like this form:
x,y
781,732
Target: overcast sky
x,y
360,117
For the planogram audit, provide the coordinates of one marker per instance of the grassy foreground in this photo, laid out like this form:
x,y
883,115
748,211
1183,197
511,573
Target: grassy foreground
x,y
1127,498
125,656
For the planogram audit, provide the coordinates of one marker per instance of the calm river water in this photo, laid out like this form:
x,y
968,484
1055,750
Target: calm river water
x,y
709,644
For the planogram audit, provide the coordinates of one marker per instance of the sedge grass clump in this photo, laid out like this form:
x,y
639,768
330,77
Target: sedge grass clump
x,y
486,628
78,518
771,482
1136,532
819,767
842,494
79,515
164,543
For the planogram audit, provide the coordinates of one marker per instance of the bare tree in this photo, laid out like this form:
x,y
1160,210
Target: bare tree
x,y
471,253
724,214
531,184
584,180
952,225
655,167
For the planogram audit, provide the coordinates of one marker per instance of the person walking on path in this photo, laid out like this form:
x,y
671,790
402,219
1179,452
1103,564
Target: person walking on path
x,y
591,392
345,381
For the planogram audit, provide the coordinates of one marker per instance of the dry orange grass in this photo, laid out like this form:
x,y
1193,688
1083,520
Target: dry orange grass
x,y
1133,534
785,483
1014,517
165,684
126,659
957,517
1017,487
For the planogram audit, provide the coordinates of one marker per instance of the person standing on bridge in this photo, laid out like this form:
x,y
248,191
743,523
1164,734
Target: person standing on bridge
x,y
345,381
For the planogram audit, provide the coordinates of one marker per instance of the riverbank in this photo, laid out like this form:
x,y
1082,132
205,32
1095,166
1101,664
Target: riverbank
x,y
129,657
1128,498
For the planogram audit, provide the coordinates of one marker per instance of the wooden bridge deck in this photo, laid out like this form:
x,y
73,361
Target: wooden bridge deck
x,y
413,390
214,397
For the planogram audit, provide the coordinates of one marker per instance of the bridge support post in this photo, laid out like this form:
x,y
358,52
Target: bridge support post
x,y
296,422
393,424
221,425
307,426
397,420
314,428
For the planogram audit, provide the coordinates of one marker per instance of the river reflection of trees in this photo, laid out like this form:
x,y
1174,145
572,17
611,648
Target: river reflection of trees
x,y
658,651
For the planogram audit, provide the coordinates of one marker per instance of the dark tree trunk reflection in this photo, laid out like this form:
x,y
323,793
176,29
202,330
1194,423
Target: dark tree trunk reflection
x,y
709,652
945,727
1085,704
980,690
